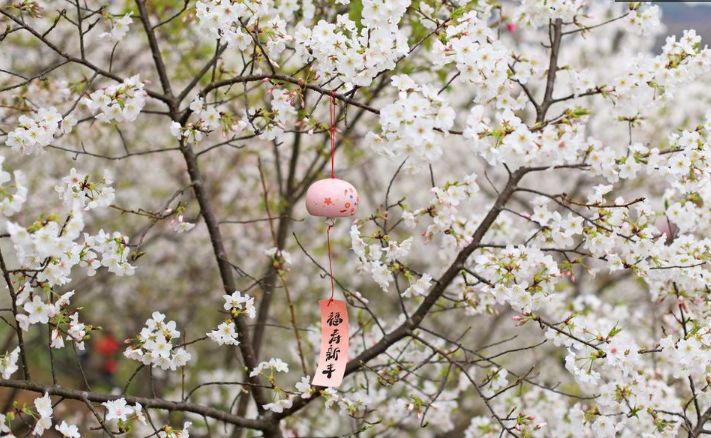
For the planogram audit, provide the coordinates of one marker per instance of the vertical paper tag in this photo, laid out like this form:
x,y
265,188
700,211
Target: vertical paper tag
x,y
334,344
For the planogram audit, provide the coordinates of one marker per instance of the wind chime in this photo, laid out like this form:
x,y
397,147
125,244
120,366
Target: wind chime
x,y
332,198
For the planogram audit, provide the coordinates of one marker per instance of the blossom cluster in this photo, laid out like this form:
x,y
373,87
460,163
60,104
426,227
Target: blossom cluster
x,y
648,81
119,28
413,126
686,160
638,17
682,264
445,211
690,354
536,12
480,58
121,102
282,114
239,23
236,304
274,365
77,191
507,139
63,320
356,52
523,277
34,133
154,345
50,246
171,432
239,304
43,406
42,413
606,359
110,250
268,370
11,203
375,259
8,363
121,412
209,118
556,229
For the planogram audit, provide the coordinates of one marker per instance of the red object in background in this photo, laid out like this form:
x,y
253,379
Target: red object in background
x,y
109,366
107,346
511,27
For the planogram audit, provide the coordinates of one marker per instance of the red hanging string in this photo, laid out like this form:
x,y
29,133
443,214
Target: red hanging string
x,y
332,137
330,266
332,132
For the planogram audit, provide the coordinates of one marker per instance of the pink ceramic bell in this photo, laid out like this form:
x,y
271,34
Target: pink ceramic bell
x,y
332,197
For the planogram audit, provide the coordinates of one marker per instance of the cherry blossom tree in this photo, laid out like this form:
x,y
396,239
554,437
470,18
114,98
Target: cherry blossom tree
x,y
530,257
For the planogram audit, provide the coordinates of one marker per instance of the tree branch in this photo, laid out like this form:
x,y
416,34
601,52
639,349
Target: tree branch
x,y
155,50
552,71
18,330
225,268
154,403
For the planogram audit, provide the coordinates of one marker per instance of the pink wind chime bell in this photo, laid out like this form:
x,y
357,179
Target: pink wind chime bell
x,y
332,198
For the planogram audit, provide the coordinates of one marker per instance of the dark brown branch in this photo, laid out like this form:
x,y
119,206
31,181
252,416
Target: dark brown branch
x,y
285,78
552,70
155,50
154,403
699,429
218,52
18,330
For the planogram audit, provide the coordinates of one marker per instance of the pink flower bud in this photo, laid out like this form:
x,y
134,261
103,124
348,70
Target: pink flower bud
x,y
667,229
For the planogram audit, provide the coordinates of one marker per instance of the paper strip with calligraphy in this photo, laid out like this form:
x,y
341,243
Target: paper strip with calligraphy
x,y
334,344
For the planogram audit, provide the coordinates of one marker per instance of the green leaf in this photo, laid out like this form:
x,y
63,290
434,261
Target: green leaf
x,y
355,13
460,11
